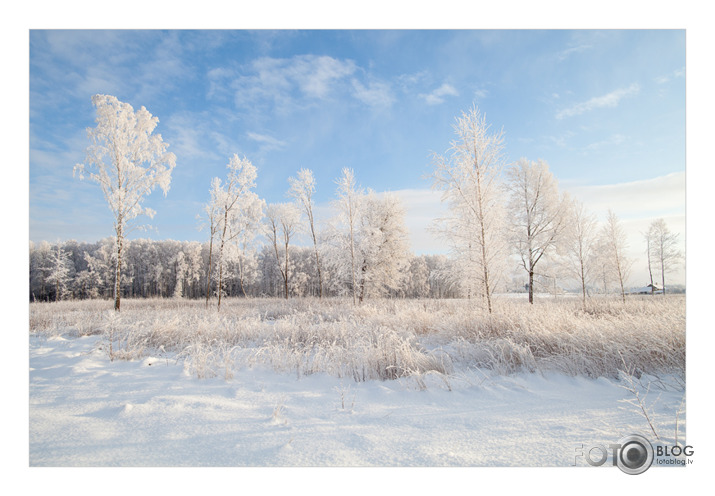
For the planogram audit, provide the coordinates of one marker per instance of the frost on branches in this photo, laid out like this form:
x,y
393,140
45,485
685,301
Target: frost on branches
x,y
233,213
469,179
538,214
128,162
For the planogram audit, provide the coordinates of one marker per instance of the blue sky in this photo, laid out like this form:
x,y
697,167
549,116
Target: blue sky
x,y
605,109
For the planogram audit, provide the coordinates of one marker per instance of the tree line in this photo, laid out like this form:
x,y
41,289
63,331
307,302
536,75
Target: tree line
x,y
508,228
179,269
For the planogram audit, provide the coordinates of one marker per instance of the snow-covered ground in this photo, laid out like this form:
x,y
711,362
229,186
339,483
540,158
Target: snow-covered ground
x,y
85,410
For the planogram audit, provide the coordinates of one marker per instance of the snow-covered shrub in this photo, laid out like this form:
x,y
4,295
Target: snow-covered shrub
x,y
388,339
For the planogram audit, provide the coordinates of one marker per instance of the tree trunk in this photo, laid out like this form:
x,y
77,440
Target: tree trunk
x,y
583,284
118,271
320,275
531,286
208,277
650,270
285,282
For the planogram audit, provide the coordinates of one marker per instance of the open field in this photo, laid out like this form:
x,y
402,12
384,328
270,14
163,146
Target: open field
x,y
398,383
386,339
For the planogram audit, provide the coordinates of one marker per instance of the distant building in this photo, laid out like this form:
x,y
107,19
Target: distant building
x,y
649,289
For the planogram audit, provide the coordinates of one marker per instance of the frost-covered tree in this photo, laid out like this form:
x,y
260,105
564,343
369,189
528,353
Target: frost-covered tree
x,y
59,271
302,189
580,246
382,246
349,195
418,282
614,243
180,269
663,249
237,205
468,176
281,224
128,161
538,214
194,261
212,221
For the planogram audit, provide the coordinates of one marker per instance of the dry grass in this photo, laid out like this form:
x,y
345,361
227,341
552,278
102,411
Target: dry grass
x,y
386,339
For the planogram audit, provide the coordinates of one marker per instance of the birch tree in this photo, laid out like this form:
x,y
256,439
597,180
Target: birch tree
x,y
282,223
237,206
580,246
128,161
302,189
615,244
664,248
649,237
469,176
212,212
349,195
538,214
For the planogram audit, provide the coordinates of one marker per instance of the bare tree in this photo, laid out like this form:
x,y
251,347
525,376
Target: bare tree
x,y
538,214
130,162
469,179
302,190
615,243
664,248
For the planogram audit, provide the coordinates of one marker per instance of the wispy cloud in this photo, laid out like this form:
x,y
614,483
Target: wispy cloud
x,y
611,99
480,93
564,54
283,80
375,94
266,142
437,96
298,81
666,78
637,199
613,140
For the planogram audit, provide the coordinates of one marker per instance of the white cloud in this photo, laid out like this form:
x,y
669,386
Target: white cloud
x,y
480,94
613,140
564,54
376,94
611,99
437,96
266,142
648,198
282,80
666,78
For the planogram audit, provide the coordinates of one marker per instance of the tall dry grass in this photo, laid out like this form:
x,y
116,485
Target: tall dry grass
x,y
386,339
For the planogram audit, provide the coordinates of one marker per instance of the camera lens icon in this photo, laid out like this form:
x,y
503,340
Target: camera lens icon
x,y
635,455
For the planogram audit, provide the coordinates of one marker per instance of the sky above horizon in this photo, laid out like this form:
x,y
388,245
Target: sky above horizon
x,y
605,110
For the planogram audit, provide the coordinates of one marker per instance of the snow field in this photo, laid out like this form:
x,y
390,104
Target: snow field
x,y
88,411
304,382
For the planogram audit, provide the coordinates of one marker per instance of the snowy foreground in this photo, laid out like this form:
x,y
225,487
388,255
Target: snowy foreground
x,y
86,410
